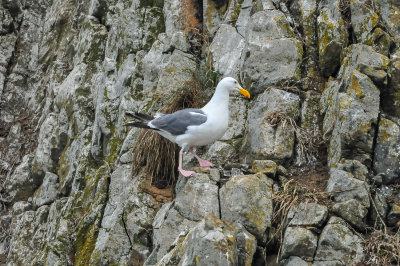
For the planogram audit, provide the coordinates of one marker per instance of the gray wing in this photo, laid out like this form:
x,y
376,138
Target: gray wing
x,y
178,122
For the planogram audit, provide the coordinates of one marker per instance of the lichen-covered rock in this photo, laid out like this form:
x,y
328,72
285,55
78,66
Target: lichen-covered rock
x,y
381,205
52,140
332,36
48,191
211,242
352,211
168,224
300,242
391,96
198,198
338,243
387,150
363,19
361,56
389,11
354,167
246,245
266,167
343,186
127,216
352,122
269,38
20,185
307,214
393,216
272,141
247,199
226,50
294,261
28,236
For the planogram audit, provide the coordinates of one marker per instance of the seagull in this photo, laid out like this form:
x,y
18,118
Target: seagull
x,y
193,127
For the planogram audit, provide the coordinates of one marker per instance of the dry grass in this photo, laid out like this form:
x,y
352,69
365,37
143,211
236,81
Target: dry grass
x,y
157,154
382,248
294,192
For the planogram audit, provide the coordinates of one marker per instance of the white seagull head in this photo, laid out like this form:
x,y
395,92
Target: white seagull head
x,y
232,84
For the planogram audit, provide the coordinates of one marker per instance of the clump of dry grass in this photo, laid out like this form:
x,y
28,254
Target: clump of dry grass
x,y
157,154
382,248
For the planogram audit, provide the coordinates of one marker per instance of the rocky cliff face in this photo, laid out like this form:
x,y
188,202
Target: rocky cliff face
x,y
307,167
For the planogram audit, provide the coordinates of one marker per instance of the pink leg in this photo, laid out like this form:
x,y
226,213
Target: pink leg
x,y
185,173
203,163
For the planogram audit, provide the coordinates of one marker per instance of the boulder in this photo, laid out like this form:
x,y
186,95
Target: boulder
x,y
48,191
352,211
332,36
381,205
391,96
337,242
363,57
307,214
247,199
363,19
269,37
343,186
353,127
272,141
198,198
20,185
300,242
386,158
210,242
393,216
226,50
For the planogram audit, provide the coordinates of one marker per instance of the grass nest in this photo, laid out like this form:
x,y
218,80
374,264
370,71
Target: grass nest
x,y
155,153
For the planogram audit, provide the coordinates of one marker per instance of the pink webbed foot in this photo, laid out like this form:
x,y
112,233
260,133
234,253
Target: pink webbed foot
x,y
204,163
186,173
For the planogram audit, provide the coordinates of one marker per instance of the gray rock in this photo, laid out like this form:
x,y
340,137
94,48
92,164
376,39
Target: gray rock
x,y
52,140
391,98
127,216
270,35
299,242
393,216
168,225
357,169
338,243
307,214
343,186
381,207
294,261
358,55
48,191
246,245
332,36
266,167
211,242
363,19
198,198
352,211
272,142
20,207
20,185
353,127
247,199
386,159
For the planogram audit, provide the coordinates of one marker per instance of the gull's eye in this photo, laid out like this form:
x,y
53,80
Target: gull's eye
x,y
235,82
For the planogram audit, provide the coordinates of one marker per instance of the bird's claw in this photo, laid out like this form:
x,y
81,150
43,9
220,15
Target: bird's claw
x,y
204,163
186,173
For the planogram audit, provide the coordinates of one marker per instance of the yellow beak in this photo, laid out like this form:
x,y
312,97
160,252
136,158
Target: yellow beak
x,y
244,92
